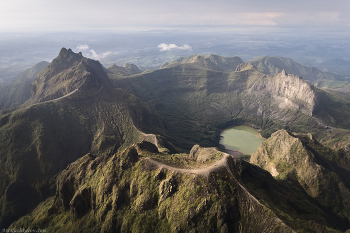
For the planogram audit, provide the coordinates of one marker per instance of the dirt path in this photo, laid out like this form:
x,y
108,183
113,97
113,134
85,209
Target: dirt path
x,y
62,97
222,163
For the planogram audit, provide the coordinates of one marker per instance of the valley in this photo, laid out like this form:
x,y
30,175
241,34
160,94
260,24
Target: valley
x,y
117,149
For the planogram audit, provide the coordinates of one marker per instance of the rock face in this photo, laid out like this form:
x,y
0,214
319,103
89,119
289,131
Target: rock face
x,y
287,91
166,188
299,156
201,154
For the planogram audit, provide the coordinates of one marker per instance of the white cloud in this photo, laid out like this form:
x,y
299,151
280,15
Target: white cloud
x,y
99,56
90,53
169,47
82,47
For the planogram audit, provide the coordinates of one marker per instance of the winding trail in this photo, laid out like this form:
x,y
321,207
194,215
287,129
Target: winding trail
x,y
251,202
62,97
205,171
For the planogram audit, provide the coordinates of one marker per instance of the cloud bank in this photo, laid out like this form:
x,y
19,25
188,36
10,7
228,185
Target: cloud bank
x,y
169,47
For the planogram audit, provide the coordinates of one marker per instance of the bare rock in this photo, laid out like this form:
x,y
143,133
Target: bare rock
x,y
166,188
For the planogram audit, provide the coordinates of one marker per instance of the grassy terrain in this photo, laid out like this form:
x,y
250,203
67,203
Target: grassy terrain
x,y
18,91
38,142
125,193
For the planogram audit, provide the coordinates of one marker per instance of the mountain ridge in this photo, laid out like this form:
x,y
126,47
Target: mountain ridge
x,y
213,62
39,141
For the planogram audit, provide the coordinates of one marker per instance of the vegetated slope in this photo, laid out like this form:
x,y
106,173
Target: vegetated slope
x,y
212,62
196,102
9,74
274,65
39,141
323,173
336,66
19,90
128,192
126,70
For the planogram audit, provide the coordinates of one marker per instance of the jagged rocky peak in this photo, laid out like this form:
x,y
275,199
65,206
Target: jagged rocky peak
x,y
281,147
67,73
284,73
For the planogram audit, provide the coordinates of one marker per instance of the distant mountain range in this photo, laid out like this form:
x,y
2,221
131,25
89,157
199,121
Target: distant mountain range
x,y
336,66
112,150
18,92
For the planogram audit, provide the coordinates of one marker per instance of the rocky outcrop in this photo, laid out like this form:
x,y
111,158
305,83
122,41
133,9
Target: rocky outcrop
x,y
286,155
202,154
286,91
166,188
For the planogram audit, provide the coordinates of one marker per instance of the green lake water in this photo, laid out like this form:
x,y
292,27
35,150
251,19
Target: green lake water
x,y
241,138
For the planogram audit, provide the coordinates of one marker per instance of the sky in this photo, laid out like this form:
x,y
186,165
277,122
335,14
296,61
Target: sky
x,y
65,15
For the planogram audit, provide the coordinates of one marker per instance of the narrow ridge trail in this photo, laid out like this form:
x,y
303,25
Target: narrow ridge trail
x,y
62,97
205,171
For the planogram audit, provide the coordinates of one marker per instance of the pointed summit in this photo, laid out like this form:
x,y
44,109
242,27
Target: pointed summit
x,y
68,72
284,73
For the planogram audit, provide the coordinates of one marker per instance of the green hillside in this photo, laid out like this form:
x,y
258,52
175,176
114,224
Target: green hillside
x,y
274,65
125,70
39,141
18,91
140,189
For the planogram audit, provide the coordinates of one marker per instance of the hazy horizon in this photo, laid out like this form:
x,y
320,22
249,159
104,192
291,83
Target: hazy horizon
x,y
38,15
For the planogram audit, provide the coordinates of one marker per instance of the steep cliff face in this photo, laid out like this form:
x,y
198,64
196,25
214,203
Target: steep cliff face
x,y
286,91
315,167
